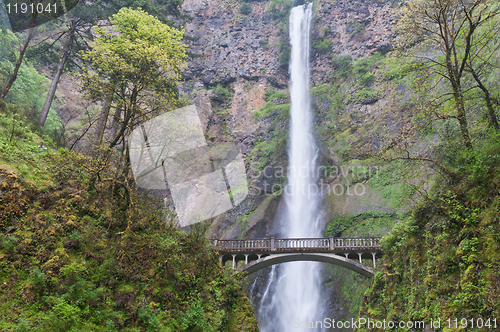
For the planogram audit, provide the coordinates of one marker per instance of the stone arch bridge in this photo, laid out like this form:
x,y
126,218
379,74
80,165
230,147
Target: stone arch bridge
x,y
253,255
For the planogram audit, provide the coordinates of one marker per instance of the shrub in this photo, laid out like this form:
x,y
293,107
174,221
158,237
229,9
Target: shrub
x,y
264,43
323,46
357,29
367,79
222,93
342,65
245,8
284,56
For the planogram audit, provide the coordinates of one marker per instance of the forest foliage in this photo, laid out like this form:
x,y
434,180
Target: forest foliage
x,y
442,260
86,251
80,248
102,260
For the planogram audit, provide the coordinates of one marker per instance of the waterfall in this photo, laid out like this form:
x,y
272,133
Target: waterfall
x,y
297,297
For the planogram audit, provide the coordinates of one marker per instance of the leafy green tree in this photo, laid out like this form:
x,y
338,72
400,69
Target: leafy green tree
x,y
77,34
442,36
134,67
139,62
245,8
13,76
29,84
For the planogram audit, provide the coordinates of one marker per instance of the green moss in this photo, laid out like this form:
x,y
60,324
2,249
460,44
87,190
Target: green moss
x,y
245,8
366,224
276,101
442,261
323,46
90,261
390,183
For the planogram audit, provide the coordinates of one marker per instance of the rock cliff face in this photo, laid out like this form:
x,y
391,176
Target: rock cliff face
x,y
238,77
229,44
246,56
358,28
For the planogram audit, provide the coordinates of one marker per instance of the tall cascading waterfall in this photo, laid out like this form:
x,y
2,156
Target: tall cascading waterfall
x,y
297,296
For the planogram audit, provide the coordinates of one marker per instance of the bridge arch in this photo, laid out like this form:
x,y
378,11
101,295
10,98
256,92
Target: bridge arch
x,y
260,253
330,258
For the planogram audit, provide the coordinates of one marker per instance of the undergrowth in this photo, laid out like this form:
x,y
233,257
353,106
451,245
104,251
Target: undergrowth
x,y
75,260
443,261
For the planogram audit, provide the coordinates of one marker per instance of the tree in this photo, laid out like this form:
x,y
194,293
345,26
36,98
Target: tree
x,y
134,67
57,76
78,33
19,61
29,20
449,25
482,64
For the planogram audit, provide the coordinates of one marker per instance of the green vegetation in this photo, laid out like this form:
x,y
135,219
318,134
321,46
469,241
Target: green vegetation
x,y
352,82
358,76
442,260
101,260
360,71
279,9
275,101
451,235
27,88
347,286
284,50
323,46
357,28
135,68
364,224
245,8
342,65
265,44
222,93
272,148
80,248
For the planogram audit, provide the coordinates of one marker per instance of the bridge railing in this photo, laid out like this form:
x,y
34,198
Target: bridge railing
x,y
356,242
272,244
284,244
260,244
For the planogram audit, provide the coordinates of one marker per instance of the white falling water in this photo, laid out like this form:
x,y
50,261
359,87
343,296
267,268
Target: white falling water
x,y
297,296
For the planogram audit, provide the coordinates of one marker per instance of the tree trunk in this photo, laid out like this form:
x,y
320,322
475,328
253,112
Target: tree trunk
x,y
103,118
454,76
461,117
487,99
13,77
53,86
115,122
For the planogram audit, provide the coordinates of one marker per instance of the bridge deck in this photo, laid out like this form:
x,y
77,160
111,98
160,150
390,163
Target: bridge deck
x,y
332,244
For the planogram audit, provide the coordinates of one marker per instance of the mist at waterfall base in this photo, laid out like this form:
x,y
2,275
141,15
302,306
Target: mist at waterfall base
x,y
293,290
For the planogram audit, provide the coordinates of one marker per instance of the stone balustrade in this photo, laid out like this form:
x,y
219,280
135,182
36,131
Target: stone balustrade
x,y
300,244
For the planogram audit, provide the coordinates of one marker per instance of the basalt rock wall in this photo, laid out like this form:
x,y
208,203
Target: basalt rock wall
x,y
242,56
